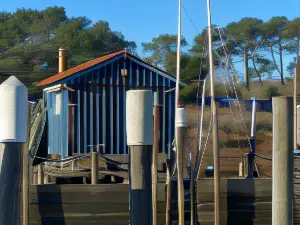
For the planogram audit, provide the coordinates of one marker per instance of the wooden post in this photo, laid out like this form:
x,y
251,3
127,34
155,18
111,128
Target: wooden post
x,y
282,161
192,190
46,179
40,174
13,136
139,129
35,178
298,128
25,171
168,192
215,135
181,124
156,114
241,172
94,162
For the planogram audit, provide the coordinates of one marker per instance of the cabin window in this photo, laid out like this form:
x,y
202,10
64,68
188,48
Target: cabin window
x,y
57,104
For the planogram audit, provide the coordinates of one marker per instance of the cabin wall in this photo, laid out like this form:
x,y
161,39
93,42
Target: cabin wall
x,y
57,116
100,97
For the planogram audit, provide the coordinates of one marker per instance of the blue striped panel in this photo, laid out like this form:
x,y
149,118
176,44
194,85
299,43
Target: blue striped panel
x,y
85,116
104,108
111,109
118,108
78,117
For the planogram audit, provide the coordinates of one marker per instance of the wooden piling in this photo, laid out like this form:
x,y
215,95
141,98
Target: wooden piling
x,y
94,165
156,114
139,129
282,161
181,124
140,185
25,186
13,136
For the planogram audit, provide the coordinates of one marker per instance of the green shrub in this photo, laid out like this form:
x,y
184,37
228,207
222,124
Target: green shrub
x,y
189,93
272,91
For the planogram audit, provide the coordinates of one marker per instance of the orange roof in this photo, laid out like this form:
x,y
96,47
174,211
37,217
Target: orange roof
x,y
94,62
78,68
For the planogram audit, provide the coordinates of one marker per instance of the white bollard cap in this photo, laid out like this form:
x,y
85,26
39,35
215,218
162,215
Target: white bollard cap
x,y
139,117
13,111
181,117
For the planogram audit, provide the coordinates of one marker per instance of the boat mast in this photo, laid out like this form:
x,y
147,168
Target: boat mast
x,y
215,121
179,128
296,91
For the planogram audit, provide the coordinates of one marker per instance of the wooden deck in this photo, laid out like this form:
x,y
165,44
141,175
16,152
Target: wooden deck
x,y
242,202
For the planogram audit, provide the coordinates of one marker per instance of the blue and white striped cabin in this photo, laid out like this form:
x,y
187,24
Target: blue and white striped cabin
x,y
86,104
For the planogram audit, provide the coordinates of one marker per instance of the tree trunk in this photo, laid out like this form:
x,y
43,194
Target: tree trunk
x,y
281,63
274,60
236,77
256,71
246,74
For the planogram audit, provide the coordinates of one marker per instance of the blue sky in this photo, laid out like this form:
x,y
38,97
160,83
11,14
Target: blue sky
x,y
141,20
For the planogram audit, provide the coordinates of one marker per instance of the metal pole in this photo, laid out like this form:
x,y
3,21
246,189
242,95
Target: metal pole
x,y
296,93
215,122
139,129
282,161
94,162
252,151
156,113
62,60
295,112
13,136
178,55
253,124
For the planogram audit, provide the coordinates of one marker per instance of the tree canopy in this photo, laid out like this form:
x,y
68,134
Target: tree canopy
x,y
30,39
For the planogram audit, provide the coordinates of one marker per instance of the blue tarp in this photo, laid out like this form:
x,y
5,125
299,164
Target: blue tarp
x,y
265,105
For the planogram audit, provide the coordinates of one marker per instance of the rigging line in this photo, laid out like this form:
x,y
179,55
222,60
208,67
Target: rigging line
x,y
231,109
205,145
263,157
200,132
200,117
241,113
192,22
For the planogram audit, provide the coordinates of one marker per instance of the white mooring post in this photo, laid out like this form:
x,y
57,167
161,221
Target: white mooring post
x,y
139,129
13,136
282,161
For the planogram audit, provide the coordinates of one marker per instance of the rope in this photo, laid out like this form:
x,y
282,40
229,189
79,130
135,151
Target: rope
x,y
232,113
263,157
205,145
234,86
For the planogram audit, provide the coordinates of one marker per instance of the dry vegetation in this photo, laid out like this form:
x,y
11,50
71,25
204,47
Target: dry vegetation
x,y
233,138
